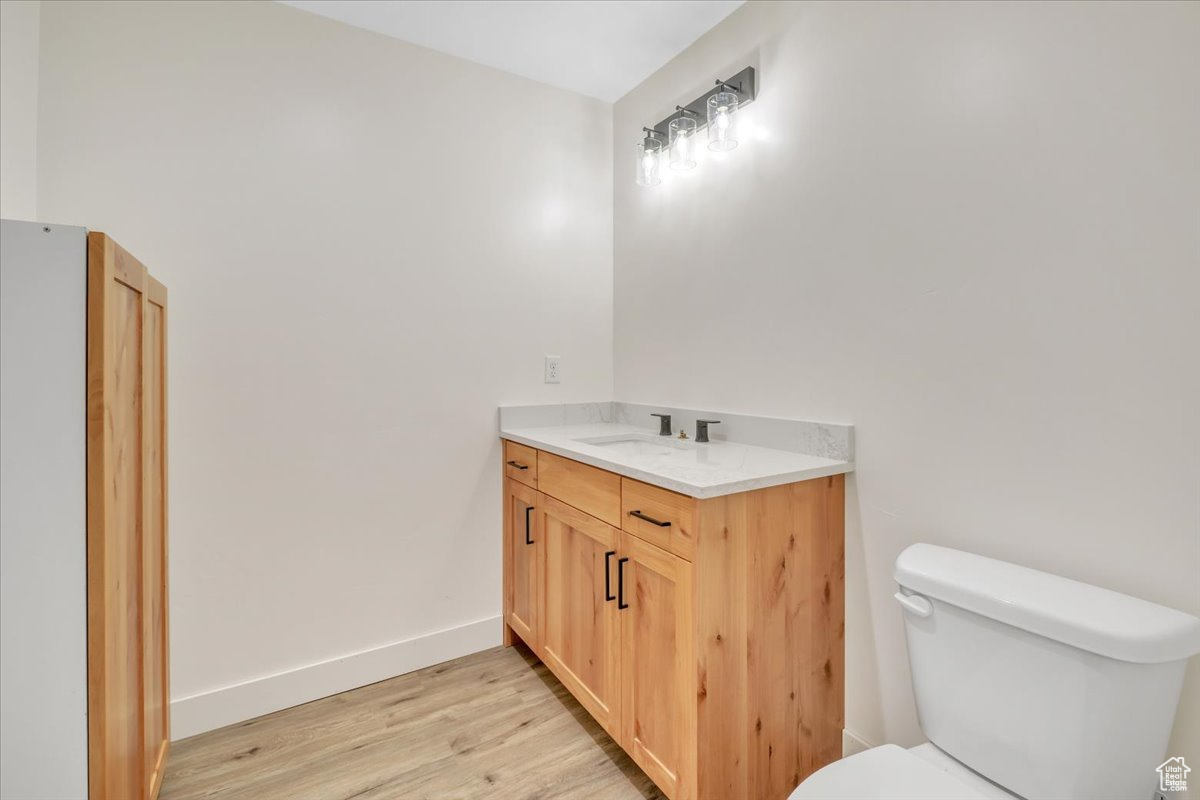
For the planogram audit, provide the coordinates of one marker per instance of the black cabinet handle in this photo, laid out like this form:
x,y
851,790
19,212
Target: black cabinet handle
x,y
516,465
608,595
528,510
651,520
621,583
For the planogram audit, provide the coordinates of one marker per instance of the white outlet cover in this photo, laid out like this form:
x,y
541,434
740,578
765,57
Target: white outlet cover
x,y
553,369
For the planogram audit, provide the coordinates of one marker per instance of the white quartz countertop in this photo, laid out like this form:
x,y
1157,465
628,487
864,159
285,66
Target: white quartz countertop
x,y
705,470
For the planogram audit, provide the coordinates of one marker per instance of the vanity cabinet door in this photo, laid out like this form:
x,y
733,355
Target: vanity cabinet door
x,y
581,629
658,693
523,554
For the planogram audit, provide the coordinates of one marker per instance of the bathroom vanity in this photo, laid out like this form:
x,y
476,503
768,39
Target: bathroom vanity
x,y
689,595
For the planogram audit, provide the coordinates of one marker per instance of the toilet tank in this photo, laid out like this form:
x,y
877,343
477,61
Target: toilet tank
x,y
1049,687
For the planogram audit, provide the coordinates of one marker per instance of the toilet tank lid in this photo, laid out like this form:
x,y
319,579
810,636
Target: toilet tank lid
x,y
1088,617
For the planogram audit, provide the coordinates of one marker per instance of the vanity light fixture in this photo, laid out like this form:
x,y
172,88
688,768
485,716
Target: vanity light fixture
x,y
683,139
649,159
716,110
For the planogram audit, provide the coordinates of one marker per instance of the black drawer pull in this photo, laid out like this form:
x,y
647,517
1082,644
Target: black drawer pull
x,y
528,510
621,583
516,465
608,595
651,520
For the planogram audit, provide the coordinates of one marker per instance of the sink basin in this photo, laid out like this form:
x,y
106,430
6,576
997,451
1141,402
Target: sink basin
x,y
659,452
632,444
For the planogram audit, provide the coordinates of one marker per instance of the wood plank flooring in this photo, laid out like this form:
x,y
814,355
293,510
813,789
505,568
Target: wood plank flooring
x,y
495,724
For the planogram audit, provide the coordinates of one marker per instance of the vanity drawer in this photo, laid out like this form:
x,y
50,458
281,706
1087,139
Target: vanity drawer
x,y
660,517
591,490
521,463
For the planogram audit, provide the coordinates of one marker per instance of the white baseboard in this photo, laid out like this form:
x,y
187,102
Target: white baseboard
x,y
853,743
229,704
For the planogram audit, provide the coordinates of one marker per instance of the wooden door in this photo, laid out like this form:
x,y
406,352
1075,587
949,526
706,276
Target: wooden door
x,y
580,628
156,693
658,696
523,556
126,539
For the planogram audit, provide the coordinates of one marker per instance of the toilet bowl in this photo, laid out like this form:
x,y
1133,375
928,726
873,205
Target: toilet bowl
x,y
1028,685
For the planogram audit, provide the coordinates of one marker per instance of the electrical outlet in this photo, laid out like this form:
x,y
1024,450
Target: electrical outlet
x,y
552,368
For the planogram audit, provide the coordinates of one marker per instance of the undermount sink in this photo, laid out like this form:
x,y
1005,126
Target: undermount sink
x,y
647,449
632,444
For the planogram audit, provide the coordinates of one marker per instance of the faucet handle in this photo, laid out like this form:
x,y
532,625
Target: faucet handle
x,y
702,428
664,424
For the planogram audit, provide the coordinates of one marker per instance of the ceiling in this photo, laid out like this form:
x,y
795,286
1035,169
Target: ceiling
x,y
600,48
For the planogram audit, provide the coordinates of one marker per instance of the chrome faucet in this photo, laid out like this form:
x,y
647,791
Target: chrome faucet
x,y
664,424
702,428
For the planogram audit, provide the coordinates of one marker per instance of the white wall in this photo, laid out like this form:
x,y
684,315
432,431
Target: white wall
x,y
972,231
19,20
369,246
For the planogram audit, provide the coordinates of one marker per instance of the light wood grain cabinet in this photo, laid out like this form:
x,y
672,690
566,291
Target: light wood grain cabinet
x,y
705,636
581,632
520,463
657,687
128,695
595,492
523,549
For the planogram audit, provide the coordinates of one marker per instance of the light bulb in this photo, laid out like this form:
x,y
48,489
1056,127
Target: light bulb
x,y
682,131
648,162
722,126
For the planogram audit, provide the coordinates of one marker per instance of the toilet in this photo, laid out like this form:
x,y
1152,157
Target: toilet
x,y
1027,685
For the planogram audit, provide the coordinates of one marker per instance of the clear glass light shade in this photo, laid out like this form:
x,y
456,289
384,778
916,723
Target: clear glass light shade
x,y
683,143
722,121
649,161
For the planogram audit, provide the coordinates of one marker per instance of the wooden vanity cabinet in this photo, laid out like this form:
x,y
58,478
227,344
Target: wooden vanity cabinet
x,y
581,630
520,463
523,549
658,720
705,636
